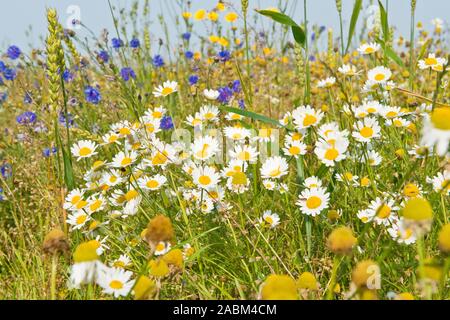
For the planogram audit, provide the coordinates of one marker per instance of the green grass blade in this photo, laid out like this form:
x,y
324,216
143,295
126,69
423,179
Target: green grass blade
x,y
252,115
390,53
384,22
68,169
355,14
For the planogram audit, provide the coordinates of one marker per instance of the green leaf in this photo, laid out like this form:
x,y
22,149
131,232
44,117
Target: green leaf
x,y
297,31
355,14
391,53
424,49
252,115
384,22
68,170
322,171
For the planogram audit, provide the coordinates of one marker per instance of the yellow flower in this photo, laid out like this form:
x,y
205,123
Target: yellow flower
x,y
341,240
231,16
307,281
86,251
223,42
213,38
174,257
220,6
144,288
404,296
158,268
213,16
186,15
444,238
200,14
363,271
159,229
417,209
279,287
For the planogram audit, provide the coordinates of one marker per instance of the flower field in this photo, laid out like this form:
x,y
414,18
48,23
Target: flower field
x,y
251,156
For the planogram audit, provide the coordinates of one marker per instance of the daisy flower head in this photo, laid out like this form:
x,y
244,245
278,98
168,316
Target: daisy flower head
x,y
205,177
244,153
84,149
209,113
436,130
115,281
78,219
86,268
237,133
73,198
432,62
204,148
312,182
383,211
306,116
123,160
379,74
313,201
295,149
326,83
122,262
331,153
401,233
274,168
269,219
441,182
269,184
366,130
167,88
369,48
373,158
211,94
162,248
152,183
348,70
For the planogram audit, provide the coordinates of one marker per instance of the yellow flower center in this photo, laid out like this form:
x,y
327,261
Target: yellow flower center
x,y
244,156
152,184
431,61
236,136
276,172
126,161
411,190
81,204
85,151
95,205
166,91
159,158
384,211
112,138
391,114
157,114
331,154
369,50
130,195
116,284
294,150
313,202
366,132
204,180
124,131
81,219
204,152
441,118
309,120
75,199
268,219
380,77
160,246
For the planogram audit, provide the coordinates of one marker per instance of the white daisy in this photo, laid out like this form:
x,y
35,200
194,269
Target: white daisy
x,y
84,149
274,168
115,281
166,89
313,201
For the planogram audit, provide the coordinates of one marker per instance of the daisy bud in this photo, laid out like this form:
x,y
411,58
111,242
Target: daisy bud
x,y
55,241
333,215
364,272
307,281
341,240
278,287
444,239
159,229
400,153
144,288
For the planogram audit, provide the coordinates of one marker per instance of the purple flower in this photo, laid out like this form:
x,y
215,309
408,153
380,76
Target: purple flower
x,y
134,43
236,86
186,36
158,61
225,94
2,66
67,76
92,95
189,54
166,123
193,79
224,55
127,73
28,117
116,43
103,56
13,52
27,99
9,74
66,121
6,170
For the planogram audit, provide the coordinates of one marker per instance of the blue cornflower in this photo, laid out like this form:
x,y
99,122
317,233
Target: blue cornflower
x,y
313,36
312,58
322,29
3,95
6,170
47,152
186,36
9,74
189,54
27,99
193,79
2,66
68,76
28,117
66,121
127,73
225,94
236,86
92,95
166,123
13,52
158,61
103,56
224,55
135,43
241,103
117,43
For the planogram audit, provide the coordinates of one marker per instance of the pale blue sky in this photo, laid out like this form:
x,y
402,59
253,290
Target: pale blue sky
x,y
17,15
